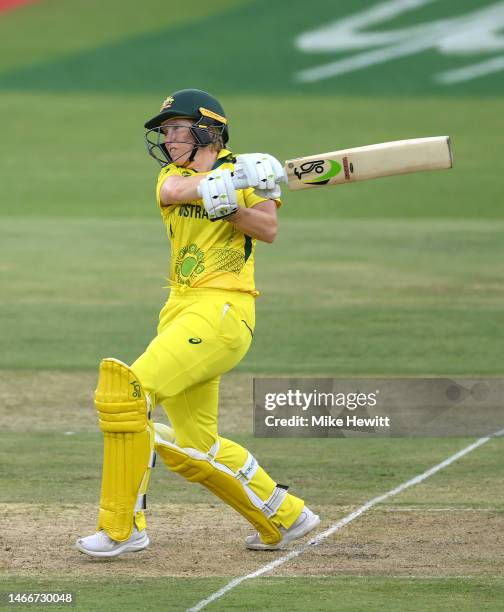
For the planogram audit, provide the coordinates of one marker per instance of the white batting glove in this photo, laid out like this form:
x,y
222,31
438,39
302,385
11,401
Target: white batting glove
x,y
258,170
218,194
269,194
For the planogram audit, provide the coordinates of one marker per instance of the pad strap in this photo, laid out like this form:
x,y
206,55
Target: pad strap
x,y
213,452
244,474
273,503
248,469
141,502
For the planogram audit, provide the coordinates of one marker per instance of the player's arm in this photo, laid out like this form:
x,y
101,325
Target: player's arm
x,y
179,189
258,222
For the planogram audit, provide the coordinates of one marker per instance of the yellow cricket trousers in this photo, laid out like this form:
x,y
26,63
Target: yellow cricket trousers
x,y
202,334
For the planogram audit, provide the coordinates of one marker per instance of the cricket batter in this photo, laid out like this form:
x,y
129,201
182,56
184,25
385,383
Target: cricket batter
x,y
215,207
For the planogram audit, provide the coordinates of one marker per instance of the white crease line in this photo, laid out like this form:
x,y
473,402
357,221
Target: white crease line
x,y
344,521
420,509
473,71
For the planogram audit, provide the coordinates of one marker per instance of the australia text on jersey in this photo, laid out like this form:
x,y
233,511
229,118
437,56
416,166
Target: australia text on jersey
x,y
192,210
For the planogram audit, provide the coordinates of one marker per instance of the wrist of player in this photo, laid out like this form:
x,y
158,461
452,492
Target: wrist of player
x,y
234,216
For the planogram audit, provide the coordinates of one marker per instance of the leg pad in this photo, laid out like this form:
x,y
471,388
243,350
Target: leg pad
x,y
128,453
196,466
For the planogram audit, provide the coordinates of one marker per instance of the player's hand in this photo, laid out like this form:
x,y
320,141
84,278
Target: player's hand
x,y
218,194
258,170
269,194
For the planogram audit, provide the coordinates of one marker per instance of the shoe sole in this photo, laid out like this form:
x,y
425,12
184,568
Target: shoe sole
x,y
301,531
126,547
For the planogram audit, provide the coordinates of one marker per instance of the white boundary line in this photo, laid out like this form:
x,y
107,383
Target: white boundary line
x,y
344,521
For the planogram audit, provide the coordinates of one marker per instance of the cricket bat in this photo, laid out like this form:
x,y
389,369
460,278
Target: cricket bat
x,y
369,162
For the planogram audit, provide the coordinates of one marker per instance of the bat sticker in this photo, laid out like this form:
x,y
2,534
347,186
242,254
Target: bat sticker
x,y
307,167
345,168
318,166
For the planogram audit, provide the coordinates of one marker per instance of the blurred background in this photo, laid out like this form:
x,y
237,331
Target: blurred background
x,y
398,275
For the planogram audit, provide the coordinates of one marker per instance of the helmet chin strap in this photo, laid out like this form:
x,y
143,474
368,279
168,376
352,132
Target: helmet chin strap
x,y
191,157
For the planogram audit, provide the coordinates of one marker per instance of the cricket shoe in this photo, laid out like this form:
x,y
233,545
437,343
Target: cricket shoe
x,y
101,545
305,522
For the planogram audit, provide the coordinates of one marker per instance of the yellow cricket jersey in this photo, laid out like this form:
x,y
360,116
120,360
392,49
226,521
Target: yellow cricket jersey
x,y
206,253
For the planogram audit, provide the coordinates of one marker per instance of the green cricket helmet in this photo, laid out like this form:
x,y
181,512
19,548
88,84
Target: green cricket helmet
x,y
203,108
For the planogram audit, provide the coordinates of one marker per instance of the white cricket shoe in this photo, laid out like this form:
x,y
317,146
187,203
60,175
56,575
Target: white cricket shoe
x,y
101,545
305,522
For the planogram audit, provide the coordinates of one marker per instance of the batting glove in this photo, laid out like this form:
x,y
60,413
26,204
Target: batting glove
x,y
218,194
258,170
269,194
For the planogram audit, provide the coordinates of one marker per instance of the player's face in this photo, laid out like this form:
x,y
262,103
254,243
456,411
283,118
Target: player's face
x,y
178,138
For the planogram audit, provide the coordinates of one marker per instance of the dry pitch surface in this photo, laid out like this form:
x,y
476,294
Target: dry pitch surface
x,y
422,540
186,541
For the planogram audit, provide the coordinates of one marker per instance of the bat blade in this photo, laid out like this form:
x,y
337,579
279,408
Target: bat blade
x,y
369,162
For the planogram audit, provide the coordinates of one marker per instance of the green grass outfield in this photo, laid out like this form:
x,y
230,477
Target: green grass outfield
x,y
327,472
400,276
342,594
83,154
345,297
248,46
